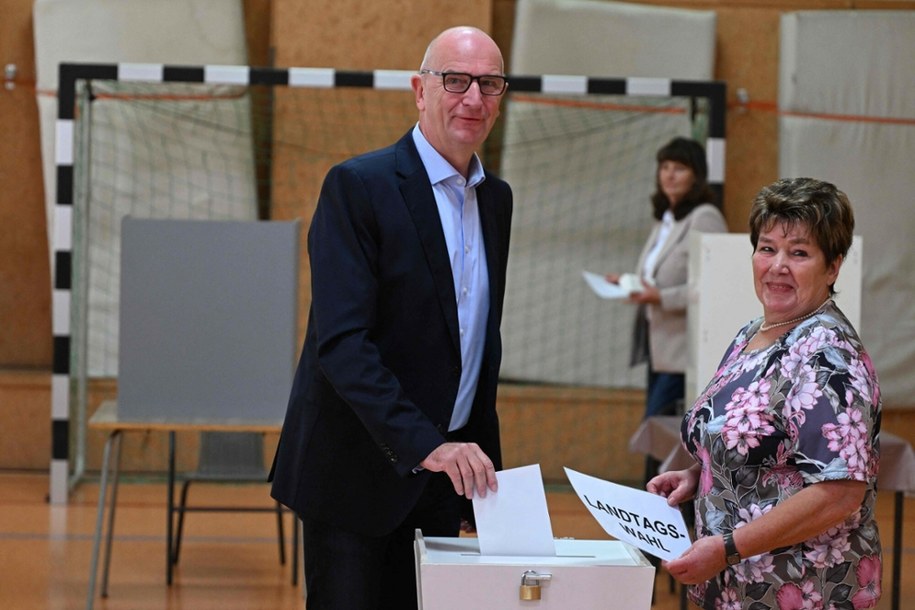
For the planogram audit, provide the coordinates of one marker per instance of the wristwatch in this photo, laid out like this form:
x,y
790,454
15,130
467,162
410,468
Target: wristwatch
x,y
731,554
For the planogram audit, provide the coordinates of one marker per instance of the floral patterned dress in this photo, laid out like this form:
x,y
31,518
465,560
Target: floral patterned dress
x,y
772,421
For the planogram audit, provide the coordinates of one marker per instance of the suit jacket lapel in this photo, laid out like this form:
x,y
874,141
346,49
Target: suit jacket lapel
x,y
677,234
490,240
417,194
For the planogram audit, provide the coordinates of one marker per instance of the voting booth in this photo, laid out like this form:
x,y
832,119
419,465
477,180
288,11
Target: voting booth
x,y
451,574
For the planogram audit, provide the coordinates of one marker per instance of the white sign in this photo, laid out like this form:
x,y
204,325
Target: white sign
x,y
638,517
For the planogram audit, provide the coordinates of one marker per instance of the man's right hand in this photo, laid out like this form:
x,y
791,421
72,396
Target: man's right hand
x,y
470,470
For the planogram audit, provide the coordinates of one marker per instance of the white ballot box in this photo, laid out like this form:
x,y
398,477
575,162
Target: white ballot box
x,y
584,575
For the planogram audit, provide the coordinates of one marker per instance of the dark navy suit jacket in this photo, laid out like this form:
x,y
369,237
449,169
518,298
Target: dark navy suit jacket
x,y
381,362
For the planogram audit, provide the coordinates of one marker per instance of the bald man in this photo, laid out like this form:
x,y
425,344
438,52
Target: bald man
x,y
391,422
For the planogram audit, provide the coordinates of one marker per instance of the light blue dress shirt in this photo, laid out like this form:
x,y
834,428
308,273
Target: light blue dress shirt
x,y
456,199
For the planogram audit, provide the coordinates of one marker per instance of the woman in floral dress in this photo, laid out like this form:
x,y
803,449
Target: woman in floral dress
x,y
786,435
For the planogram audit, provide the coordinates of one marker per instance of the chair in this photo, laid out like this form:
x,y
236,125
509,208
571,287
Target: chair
x,y
230,364
231,457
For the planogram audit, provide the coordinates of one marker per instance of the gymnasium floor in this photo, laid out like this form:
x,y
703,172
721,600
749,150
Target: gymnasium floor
x,y
228,561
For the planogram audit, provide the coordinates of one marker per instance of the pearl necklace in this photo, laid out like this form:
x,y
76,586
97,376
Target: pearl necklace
x,y
764,327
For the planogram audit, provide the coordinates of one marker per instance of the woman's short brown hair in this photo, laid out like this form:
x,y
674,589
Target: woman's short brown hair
x,y
814,204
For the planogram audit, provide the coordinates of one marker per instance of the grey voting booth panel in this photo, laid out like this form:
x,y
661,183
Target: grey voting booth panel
x,y
207,320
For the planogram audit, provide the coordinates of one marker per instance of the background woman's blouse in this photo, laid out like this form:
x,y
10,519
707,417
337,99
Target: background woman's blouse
x,y
771,422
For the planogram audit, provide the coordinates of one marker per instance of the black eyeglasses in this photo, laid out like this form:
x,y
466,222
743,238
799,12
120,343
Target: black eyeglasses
x,y
459,82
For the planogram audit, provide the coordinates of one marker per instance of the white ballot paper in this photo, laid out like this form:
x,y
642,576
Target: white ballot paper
x,y
638,517
628,283
515,519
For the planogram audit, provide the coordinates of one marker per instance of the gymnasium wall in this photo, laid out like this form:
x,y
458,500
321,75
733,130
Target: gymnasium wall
x,y
347,34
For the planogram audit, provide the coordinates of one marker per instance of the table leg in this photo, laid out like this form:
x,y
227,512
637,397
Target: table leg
x,y
169,543
897,548
99,519
112,503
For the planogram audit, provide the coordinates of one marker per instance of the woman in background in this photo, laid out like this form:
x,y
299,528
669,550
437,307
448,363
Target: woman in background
x,y
786,435
682,203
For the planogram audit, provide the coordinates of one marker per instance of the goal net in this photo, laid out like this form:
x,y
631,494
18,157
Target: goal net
x,y
581,166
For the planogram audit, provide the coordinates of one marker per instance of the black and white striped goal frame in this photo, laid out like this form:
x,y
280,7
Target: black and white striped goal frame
x,y
62,238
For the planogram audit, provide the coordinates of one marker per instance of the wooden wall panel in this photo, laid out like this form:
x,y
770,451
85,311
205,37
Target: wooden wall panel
x,y
258,20
586,429
359,35
25,432
25,296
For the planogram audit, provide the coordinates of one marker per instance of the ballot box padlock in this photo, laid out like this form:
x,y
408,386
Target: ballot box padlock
x,y
530,584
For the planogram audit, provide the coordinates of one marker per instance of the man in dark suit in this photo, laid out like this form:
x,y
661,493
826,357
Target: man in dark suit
x,y
391,420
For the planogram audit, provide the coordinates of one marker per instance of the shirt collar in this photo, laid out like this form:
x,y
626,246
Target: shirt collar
x,y
437,166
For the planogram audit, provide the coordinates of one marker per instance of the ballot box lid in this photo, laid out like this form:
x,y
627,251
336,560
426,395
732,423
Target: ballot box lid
x,y
569,552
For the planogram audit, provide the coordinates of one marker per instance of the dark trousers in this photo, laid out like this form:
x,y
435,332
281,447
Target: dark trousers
x,y
349,571
665,391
